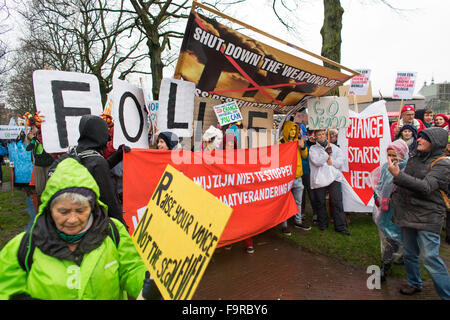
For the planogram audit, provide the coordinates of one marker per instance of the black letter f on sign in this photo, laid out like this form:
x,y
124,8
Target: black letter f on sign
x,y
62,112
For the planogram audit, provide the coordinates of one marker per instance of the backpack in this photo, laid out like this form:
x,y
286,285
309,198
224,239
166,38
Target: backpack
x,y
27,246
444,195
72,153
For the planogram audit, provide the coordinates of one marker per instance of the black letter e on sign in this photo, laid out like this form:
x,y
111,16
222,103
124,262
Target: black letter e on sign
x,y
62,112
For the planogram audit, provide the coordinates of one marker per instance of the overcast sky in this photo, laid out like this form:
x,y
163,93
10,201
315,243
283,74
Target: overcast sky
x,y
378,38
373,36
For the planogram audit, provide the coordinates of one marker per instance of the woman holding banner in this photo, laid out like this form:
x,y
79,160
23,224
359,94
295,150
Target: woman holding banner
x,y
382,183
230,143
291,133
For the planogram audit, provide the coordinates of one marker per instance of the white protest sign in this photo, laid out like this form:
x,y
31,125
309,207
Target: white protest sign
x,y
176,107
63,97
130,116
328,112
10,132
404,85
360,84
228,113
364,144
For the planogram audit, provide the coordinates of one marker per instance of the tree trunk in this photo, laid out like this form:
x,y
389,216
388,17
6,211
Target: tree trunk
x,y
331,31
156,66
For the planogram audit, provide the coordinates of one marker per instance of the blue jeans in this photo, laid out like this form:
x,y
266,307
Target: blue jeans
x,y
428,242
297,192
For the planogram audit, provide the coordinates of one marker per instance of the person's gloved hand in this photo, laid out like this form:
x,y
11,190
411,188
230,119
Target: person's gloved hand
x,y
328,150
125,148
150,290
377,202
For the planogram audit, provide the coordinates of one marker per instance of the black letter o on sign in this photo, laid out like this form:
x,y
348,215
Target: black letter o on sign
x,y
122,122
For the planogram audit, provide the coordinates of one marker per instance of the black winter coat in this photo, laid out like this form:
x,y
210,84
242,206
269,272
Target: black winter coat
x,y
416,200
94,136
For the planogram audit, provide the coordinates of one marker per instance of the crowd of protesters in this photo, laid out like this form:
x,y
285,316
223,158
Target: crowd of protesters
x,y
79,197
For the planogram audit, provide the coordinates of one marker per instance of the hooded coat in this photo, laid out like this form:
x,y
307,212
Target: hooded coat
x,y
301,153
417,202
97,269
94,135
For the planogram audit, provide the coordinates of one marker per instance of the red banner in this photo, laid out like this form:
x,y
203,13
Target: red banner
x,y
256,183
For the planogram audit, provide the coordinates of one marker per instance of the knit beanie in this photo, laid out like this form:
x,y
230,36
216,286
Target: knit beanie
x,y
171,139
400,147
407,107
88,193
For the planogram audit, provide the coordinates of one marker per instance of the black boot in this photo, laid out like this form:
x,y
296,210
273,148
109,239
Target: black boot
x,y
384,270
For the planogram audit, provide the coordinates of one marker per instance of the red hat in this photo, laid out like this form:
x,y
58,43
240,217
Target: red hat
x,y
407,107
442,115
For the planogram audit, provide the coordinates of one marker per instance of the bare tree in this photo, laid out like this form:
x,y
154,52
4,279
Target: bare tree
x,y
332,23
156,20
92,36
4,53
20,84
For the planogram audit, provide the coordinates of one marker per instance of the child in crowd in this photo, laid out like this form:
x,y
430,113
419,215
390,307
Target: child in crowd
x,y
408,133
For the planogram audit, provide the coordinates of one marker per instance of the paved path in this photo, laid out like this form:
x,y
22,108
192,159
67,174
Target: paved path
x,y
280,269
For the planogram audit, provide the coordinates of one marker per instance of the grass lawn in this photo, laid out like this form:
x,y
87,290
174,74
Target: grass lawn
x,y
13,215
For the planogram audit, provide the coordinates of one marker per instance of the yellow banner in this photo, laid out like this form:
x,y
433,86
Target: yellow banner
x,y
178,233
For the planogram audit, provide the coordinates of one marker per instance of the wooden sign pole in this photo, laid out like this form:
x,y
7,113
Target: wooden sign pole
x,y
355,103
400,111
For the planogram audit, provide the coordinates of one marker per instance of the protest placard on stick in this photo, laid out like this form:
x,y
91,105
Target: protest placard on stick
x,y
63,97
328,112
404,85
178,233
228,113
130,115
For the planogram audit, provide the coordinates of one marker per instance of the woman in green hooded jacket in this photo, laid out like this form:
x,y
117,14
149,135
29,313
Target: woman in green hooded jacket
x,y
75,257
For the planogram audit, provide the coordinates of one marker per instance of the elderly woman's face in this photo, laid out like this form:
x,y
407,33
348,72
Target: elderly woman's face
x,y
70,218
